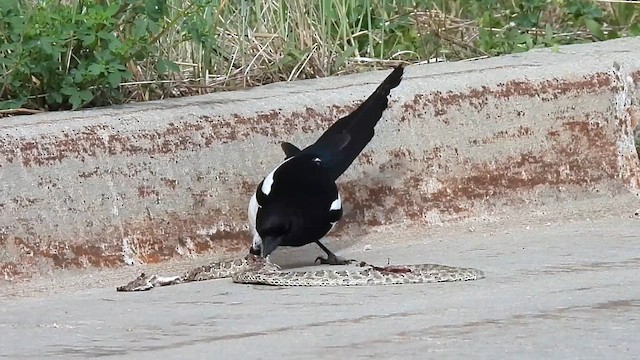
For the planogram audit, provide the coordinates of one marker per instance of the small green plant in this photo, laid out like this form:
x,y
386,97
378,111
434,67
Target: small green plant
x,y
55,56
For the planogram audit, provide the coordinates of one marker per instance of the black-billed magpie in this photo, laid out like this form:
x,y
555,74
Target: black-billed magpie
x,y
298,202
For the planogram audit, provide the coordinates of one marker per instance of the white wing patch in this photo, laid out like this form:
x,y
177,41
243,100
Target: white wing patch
x,y
268,181
336,204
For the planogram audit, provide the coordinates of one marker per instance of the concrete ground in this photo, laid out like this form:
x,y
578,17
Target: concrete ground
x,y
556,287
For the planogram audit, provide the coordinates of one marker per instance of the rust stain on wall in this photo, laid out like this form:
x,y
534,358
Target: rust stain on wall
x,y
63,255
478,98
147,240
177,137
11,271
561,164
521,132
147,190
585,158
170,183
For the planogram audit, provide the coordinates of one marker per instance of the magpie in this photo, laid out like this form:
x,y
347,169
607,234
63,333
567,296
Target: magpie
x,y
298,202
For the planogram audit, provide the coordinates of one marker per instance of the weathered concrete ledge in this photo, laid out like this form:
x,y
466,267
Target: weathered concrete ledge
x,y
147,182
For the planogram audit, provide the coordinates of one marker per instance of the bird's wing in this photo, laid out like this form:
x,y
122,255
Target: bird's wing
x,y
289,149
358,126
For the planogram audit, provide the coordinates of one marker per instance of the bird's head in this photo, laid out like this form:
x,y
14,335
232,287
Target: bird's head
x,y
272,234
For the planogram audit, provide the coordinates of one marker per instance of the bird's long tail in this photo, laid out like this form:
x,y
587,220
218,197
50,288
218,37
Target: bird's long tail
x,y
359,125
372,108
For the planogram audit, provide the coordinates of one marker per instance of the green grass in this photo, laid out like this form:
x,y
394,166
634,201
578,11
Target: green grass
x,y
83,53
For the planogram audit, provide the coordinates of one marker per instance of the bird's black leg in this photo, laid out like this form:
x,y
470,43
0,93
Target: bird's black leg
x,y
332,259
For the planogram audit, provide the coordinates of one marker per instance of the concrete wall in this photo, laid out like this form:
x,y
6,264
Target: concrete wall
x,y
147,182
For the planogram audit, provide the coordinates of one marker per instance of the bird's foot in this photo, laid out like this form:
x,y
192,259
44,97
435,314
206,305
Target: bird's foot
x,y
334,260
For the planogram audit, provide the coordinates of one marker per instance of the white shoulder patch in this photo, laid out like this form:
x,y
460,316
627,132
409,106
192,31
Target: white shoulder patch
x,y
257,241
336,204
268,181
253,213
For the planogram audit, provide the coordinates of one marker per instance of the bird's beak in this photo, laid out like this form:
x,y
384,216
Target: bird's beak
x,y
269,244
255,250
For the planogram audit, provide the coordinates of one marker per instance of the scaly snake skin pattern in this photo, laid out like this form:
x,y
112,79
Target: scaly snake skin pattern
x,y
256,270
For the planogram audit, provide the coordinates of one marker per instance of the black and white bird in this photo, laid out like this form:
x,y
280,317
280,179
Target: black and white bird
x,y
298,202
